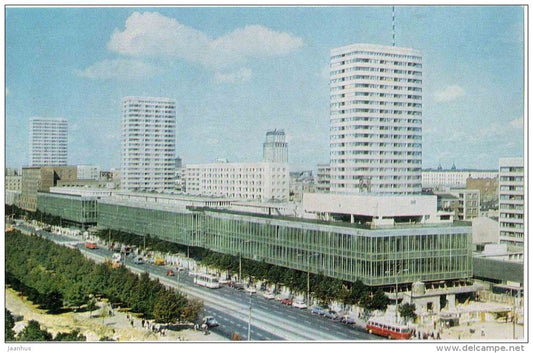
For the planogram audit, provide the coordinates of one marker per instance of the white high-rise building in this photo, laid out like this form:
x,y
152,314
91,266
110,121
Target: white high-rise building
x,y
48,142
148,143
511,204
376,120
275,147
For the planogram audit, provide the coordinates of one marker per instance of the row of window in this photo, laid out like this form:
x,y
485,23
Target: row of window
x,y
376,69
367,86
376,136
375,78
335,112
372,55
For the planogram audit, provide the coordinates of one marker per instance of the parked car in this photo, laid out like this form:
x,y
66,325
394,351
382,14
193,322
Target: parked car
x,y
138,261
250,289
286,301
299,304
268,295
331,314
347,320
317,310
170,273
210,321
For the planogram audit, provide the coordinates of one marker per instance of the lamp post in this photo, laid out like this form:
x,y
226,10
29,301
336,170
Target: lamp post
x,y
308,270
395,273
240,256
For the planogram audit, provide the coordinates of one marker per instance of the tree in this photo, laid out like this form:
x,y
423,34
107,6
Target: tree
x,y
407,311
33,332
53,301
71,336
192,310
168,307
9,325
91,305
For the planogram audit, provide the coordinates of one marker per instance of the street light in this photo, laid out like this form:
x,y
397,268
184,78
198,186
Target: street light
x,y
308,269
396,271
240,257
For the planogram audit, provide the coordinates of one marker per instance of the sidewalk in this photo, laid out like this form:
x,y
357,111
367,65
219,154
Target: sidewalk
x,y
117,327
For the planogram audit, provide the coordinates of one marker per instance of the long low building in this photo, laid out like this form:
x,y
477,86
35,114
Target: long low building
x,y
378,256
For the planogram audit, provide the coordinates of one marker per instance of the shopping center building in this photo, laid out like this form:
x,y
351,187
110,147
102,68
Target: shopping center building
x,y
378,255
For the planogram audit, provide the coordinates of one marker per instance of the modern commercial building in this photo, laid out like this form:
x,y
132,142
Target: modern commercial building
x,y
148,143
48,142
275,147
41,179
244,181
72,209
323,178
88,172
376,120
14,182
453,178
511,204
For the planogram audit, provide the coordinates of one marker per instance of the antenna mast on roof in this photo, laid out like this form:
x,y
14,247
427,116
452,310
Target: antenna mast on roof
x,y
393,29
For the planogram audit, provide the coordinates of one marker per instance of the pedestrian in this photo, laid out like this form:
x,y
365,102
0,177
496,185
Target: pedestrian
x,y
142,322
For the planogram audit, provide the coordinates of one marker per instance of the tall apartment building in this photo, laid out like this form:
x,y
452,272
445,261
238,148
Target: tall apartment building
x,y
376,120
48,142
511,203
275,148
148,143
262,181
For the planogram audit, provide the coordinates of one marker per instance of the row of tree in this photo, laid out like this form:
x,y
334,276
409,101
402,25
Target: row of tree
x,y
57,277
326,289
33,332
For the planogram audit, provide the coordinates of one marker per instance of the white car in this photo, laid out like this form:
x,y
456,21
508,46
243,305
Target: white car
x,y
299,304
268,295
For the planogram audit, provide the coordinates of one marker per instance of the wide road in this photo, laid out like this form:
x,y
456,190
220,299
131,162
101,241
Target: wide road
x,y
270,320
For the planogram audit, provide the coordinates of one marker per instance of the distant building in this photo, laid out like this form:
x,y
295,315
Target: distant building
x,y
48,141
464,203
244,181
275,147
376,120
88,172
323,178
300,183
148,144
488,192
453,178
41,179
511,204
14,182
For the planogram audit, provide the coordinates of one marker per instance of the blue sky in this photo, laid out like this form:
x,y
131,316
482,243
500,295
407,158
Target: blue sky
x,y
237,72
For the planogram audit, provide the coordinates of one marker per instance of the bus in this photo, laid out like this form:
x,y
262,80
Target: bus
x,y
206,280
91,245
388,329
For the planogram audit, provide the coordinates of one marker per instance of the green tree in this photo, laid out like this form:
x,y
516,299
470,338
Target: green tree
x,y
91,305
193,309
407,311
168,307
33,332
72,336
9,325
53,301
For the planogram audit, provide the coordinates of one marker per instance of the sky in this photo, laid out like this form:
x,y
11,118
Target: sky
x,y
237,72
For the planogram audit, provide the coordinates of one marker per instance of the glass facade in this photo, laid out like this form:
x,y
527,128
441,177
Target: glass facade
x,y
74,209
347,252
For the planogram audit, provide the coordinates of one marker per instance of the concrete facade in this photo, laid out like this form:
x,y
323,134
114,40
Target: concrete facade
x,y
48,142
148,144
375,120
511,202
41,179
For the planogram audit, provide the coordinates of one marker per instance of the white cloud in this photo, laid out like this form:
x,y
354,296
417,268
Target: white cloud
x,y
152,34
450,93
118,69
239,76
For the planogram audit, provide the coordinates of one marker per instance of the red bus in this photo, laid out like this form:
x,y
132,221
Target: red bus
x,y
91,245
388,329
